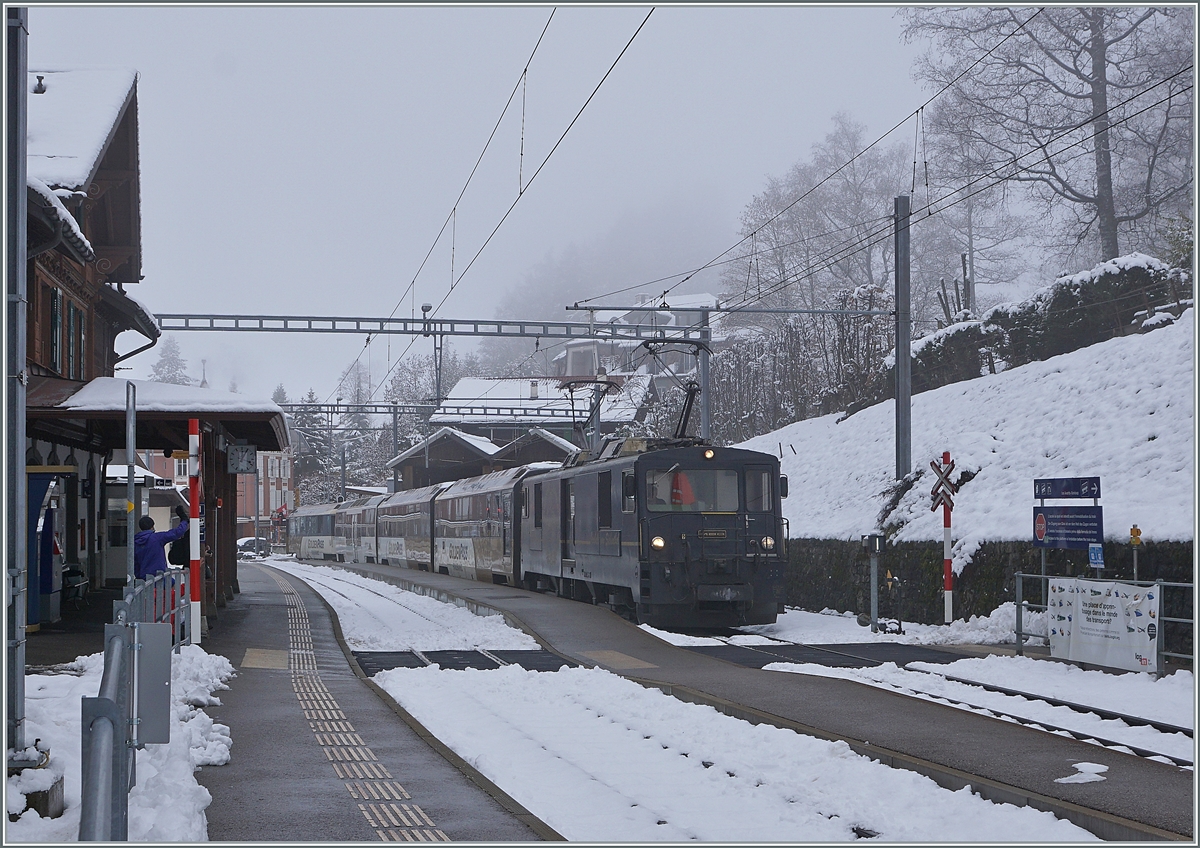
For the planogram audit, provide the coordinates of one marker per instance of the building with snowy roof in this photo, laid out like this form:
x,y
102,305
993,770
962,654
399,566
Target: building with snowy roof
x,y
505,409
83,248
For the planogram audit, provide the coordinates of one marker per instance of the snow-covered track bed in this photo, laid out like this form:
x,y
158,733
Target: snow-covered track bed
x,y
1142,736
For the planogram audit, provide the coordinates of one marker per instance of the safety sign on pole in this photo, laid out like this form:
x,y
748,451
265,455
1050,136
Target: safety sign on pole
x,y
195,589
943,493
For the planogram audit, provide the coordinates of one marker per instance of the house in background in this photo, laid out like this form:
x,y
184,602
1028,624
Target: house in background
x,y
504,410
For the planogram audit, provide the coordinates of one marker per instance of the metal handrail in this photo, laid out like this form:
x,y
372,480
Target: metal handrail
x,y
109,766
1162,652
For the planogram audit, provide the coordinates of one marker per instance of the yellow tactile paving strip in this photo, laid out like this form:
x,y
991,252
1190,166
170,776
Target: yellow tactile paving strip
x,y
380,798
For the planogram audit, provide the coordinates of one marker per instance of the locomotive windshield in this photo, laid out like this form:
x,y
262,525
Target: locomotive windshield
x,y
692,490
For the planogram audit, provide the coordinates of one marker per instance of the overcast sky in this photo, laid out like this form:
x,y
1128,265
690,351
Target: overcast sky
x,y
302,160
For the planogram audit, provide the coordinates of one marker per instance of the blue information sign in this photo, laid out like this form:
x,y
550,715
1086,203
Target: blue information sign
x,y
1067,487
1096,555
1073,527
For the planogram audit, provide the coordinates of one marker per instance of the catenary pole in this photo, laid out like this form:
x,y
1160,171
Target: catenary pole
x,y
903,344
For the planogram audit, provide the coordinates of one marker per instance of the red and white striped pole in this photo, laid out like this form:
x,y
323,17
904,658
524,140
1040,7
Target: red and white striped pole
x,y
194,585
947,573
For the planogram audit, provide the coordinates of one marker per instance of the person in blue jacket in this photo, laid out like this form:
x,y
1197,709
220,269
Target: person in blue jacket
x,y
149,554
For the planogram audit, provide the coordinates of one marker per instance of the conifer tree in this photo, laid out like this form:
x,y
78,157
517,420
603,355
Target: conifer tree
x,y
171,367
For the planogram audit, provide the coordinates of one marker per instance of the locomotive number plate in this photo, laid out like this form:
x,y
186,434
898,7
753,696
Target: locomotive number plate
x,y
711,534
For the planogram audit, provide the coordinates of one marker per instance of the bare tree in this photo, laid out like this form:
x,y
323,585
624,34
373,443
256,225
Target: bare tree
x,y
1091,107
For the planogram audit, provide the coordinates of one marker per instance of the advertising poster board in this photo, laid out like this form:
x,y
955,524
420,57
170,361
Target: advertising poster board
x,y
1116,625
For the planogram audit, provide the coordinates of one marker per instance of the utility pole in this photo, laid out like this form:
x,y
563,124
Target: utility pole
x,y
969,272
395,448
903,343
16,492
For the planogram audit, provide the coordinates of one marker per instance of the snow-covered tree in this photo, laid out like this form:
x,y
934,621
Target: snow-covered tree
x,y
171,367
280,395
314,461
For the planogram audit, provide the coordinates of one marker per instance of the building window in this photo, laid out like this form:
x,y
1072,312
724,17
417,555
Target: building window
x,y
56,330
72,348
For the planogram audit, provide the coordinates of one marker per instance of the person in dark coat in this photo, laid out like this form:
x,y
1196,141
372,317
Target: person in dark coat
x,y
149,554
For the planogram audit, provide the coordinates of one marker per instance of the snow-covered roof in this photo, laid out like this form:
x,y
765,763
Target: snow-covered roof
x,y
107,394
512,397
71,122
53,207
482,445
557,441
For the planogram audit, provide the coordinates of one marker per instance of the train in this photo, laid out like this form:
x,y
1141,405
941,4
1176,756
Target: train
x,y
676,533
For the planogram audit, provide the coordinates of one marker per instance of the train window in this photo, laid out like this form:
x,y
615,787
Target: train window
x,y
692,490
604,498
628,492
537,504
758,490
524,501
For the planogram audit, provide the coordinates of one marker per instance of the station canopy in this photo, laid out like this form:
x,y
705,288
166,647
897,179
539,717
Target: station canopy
x,y
92,415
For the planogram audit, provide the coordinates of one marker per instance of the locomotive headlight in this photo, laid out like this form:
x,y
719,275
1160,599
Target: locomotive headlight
x,y
709,453
658,543
768,543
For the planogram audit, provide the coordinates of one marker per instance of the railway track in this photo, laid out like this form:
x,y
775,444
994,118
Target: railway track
x,y
777,650
1007,713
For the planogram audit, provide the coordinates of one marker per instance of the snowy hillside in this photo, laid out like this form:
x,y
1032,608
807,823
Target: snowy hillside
x,y
1121,410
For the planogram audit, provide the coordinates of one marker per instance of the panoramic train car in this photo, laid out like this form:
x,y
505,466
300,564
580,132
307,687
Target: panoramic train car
x,y
475,535
310,531
687,536
404,524
365,528
347,523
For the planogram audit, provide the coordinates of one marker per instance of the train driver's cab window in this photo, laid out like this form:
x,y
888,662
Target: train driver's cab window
x,y
692,490
758,490
537,504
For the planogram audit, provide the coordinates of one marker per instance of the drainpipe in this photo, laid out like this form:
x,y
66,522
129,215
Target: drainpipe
x,y
125,356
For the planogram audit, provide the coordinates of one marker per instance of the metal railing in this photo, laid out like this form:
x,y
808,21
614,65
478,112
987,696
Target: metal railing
x,y
110,721
1022,605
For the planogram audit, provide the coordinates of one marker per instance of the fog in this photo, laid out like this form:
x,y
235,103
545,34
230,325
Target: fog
x,y
302,160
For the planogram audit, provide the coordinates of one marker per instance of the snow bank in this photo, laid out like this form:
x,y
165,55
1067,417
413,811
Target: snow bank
x,y
167,804
1121,410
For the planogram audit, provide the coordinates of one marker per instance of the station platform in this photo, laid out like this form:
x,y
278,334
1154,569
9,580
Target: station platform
x,y
318,755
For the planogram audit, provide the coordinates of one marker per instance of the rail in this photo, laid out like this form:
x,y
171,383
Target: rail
x,y
1023,605
116,714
